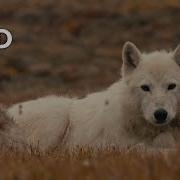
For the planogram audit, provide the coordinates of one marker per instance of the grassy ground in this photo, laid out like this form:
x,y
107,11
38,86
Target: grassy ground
x,y
83,165
74,47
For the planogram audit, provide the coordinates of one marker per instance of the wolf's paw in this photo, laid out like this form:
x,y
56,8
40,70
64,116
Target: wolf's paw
x,y
164,141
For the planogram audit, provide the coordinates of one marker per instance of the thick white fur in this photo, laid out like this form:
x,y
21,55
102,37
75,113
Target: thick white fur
x,y
43,120
113,117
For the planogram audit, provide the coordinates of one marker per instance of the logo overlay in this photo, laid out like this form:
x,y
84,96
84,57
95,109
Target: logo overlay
x,y
8,38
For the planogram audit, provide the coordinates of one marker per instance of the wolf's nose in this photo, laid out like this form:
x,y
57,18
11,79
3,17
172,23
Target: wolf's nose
x,y
160,116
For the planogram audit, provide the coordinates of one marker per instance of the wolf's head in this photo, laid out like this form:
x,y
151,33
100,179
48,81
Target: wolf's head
x,y
154,81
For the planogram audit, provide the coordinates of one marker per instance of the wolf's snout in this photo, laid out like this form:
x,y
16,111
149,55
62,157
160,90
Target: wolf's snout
x,y
160,116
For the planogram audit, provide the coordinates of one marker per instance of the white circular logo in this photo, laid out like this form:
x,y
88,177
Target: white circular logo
x,y
9,39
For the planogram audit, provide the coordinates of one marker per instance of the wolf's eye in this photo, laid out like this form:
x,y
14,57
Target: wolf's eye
x,y
171,86
145,88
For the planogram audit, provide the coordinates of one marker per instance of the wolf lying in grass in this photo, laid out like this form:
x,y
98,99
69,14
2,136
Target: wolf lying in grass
x,y
142,107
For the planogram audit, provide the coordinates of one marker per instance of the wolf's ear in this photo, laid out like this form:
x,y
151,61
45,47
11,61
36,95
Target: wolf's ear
x,y
177,54
131,57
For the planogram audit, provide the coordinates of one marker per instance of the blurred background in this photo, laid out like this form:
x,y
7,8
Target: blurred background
x,y
74,46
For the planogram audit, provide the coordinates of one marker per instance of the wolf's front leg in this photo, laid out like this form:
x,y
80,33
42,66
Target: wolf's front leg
x,y
164,141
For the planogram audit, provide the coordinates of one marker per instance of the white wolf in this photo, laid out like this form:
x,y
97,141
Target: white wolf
x,y
142,107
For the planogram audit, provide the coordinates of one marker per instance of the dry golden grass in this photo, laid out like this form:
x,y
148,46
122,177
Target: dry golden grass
x,y
85,165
